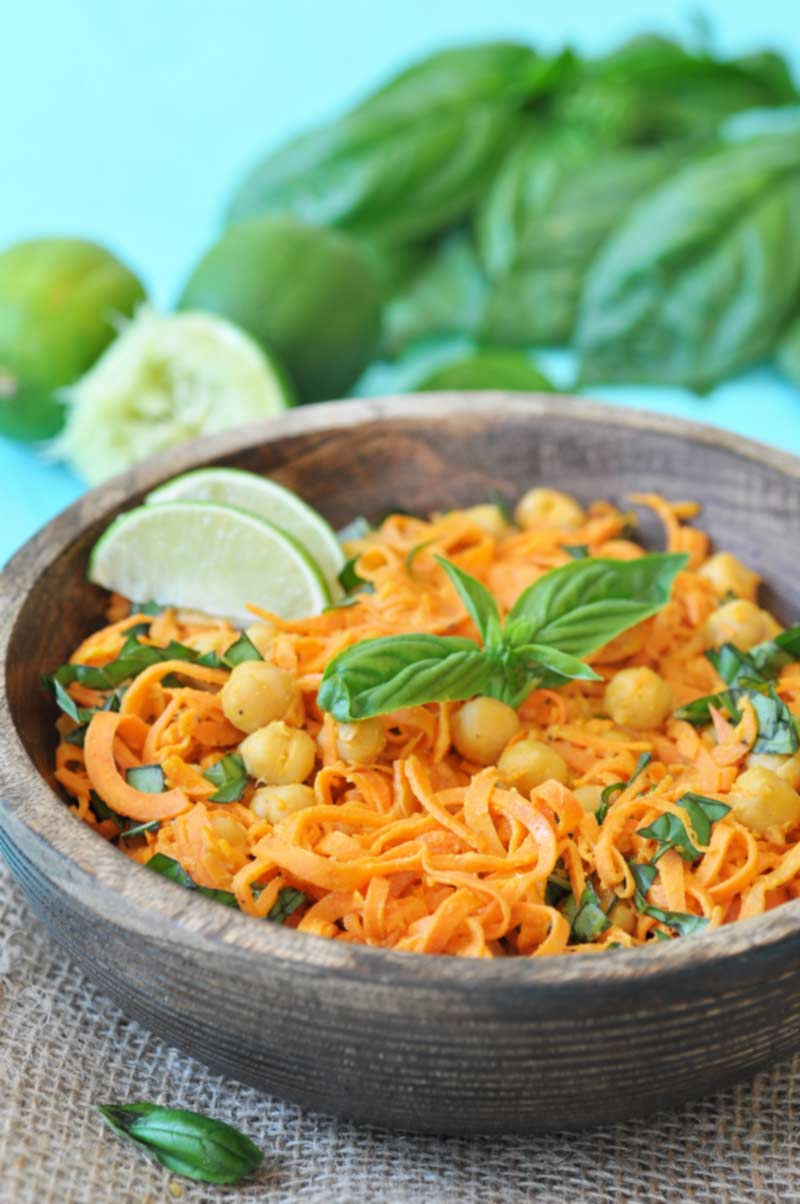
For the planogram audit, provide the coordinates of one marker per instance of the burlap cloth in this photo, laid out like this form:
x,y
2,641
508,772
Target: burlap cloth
x,y
63,1047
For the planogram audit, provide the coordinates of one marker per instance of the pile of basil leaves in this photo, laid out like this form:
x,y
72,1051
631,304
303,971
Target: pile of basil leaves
x,y
643,207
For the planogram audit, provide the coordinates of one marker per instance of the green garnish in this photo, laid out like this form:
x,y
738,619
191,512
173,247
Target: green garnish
x,y
230,776
777,727
414,552
140,829
589,921
147,778
607,796
568,613
578,551
101,810
670,832
287,902
186,1143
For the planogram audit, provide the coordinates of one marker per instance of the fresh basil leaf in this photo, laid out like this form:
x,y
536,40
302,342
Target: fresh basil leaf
x,y
554,201
702,812
230,776
590,920
732,664
444,295
671,297
288,901
770,657
683,922
698,711
69,706
101,810
578,551
560,666
147,778
134,657
579,607
479,603
381,675
411,159
77,736
240,651
147,608
557,887
487,368
186,1143
140,829
167,867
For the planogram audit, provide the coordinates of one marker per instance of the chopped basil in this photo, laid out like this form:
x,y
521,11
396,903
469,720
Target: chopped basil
x,y
133,658
286,904
147,778
557,888
146,608
350,580
240,651
101,810
644,875
230,776
590,921
167,867
607,796
77,736
777,727
578,551
186,1143
683,922
140,829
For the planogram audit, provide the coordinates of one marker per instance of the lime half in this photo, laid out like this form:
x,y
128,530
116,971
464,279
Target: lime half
x,y
259,495
208,557
166,379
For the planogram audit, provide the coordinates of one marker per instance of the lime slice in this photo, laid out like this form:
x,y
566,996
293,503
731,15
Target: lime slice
x,y
166,379
259,495
208,557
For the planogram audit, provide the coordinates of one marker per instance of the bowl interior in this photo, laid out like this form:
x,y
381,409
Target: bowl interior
x,y
417,454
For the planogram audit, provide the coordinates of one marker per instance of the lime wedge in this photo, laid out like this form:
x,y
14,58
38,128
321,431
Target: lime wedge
x,y
259,495
166,379
208,557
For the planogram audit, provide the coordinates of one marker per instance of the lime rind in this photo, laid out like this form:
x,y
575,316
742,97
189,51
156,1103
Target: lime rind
x,y
208,557
266,498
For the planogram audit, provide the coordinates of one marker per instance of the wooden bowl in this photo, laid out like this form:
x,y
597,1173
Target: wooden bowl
x,y
432,1044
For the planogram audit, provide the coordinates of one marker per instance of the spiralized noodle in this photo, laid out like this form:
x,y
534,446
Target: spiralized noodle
x,y
421,851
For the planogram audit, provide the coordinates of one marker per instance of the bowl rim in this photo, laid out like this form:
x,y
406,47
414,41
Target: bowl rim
x,y
169,913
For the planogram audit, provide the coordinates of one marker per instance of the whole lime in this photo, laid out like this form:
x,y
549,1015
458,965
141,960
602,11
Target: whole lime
x,y
58,301
307,294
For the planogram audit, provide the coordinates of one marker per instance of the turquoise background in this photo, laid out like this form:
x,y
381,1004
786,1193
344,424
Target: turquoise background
x,y
131,123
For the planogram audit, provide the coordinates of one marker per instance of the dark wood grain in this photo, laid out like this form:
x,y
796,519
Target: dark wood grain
x,y
423,1043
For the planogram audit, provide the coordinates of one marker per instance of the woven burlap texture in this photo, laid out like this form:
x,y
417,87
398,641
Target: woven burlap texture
x,y
63,1047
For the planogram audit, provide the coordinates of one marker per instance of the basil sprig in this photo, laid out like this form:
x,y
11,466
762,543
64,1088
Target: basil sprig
x,y
670,832
567,614
186,1143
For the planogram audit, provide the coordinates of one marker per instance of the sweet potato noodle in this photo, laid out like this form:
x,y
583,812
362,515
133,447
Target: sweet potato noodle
x,y
418,849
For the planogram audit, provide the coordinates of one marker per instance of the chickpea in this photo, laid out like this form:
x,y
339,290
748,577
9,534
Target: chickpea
x,y
360,743
229,829
761,800
729,575
278,754
741,623
256,693
274,803
638,698
490,519
481,729
787,768
529,762
589,797
262,634
548,508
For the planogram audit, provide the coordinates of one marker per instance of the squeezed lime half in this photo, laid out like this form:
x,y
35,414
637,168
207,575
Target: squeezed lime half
x,y
166,379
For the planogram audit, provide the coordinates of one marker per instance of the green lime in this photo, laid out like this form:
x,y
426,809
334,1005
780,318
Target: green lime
x,y
166,379
305,293
207,557
487,369
259,495
59,300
